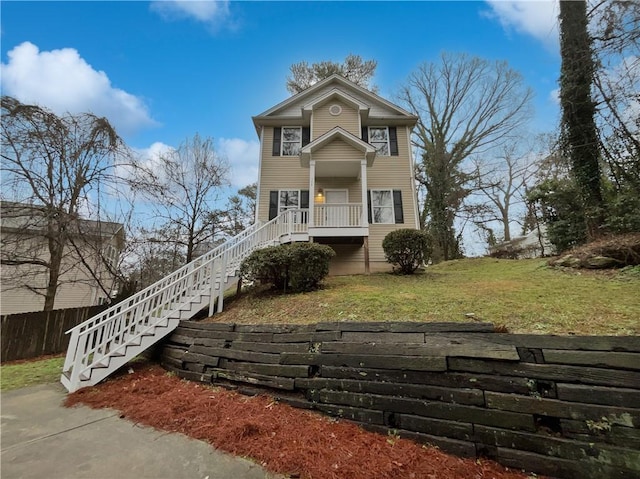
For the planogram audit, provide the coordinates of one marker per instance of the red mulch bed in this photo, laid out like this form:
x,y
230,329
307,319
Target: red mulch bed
x,y
281,438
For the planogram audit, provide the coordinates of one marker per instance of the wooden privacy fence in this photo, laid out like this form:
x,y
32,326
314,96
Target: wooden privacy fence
x,y
563,406
29,335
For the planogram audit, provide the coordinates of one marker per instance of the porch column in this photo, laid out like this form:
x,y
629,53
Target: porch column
x,y
363,182
365,215
312,192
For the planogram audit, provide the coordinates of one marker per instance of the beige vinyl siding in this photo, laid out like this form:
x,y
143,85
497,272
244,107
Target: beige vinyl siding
x,y
77,288
393,173
349,259
338,150
278,173
323,121
376,109
352,185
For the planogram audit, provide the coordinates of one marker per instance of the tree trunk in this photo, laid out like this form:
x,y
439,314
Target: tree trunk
x,y
55,254
578,110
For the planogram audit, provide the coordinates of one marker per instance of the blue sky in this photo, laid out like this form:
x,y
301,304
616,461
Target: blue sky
x,y
162,71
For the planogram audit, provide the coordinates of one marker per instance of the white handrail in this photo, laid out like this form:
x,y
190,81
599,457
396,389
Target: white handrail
x,y
111,330
338,215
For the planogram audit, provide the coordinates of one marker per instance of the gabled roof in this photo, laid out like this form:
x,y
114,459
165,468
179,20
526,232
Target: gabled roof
x,y
334,94
369,152
30,218
345,89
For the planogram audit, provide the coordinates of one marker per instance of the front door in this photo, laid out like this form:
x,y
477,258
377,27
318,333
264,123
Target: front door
x,y
337,208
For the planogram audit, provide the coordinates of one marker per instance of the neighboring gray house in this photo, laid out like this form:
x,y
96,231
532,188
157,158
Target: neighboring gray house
x,y
23,238
534,244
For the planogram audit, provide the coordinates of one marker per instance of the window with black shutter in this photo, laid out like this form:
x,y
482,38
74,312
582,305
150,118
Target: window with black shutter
x,y
385,207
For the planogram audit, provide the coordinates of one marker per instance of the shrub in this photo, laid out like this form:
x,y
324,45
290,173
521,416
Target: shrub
x,y
406,249
294,267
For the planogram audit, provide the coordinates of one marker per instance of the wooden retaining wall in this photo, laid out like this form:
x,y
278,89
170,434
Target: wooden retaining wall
x,y
563,406
29,335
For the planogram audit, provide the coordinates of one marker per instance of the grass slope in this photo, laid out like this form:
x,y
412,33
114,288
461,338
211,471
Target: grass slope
x,y
526,296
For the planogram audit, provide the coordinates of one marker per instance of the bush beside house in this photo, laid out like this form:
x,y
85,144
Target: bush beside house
x,y
407,249
294,267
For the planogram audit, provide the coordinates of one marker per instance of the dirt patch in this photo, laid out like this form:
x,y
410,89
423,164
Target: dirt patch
x,y
285,440
606,253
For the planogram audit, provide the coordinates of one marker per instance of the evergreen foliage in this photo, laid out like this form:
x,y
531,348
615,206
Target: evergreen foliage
x,y
407,249
295,267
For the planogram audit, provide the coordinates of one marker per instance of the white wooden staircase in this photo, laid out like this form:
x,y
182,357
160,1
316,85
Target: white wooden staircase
x,y
104,343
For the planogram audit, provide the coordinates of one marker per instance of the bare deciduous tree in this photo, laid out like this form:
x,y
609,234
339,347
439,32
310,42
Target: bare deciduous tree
x,y
502,186
465,105
615,31
183,186
56,169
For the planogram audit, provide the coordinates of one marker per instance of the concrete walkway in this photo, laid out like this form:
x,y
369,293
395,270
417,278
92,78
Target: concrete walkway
x,y
40,438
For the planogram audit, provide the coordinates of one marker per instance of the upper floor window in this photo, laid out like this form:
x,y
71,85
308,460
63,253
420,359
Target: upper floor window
x,y
288,140
291,140
383,138
379,138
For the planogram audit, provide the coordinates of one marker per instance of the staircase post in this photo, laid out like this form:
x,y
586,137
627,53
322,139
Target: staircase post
x,y
74,379
212,287
223,278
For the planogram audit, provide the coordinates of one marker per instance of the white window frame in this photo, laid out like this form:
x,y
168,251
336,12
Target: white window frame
x,y
390,207
282,140
378,144
285,208
110,255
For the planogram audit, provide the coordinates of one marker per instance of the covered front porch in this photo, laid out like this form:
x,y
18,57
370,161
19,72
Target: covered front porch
x,y
338,163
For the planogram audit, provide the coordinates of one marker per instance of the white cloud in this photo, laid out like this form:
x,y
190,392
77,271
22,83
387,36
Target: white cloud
x,y
243,158
538,18
211,12
554,96
63,81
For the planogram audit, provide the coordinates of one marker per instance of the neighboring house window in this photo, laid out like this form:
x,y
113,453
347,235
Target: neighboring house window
x,y
288,140
110,255
383,138
385,207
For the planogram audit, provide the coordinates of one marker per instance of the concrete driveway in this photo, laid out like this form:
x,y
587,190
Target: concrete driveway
x,y
40,438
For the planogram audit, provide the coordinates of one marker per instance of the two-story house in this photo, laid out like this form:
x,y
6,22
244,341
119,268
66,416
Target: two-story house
x,y
86,271
338,158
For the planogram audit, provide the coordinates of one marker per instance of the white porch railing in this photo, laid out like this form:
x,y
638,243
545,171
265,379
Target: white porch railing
x,y
107,340
338,215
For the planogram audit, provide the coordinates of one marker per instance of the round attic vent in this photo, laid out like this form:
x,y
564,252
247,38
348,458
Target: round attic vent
x,y
335,110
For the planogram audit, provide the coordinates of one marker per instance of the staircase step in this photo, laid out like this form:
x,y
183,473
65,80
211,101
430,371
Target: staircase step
x,y
161,319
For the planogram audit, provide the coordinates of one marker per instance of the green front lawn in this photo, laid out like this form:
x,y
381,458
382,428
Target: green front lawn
x,y
23,374
526,296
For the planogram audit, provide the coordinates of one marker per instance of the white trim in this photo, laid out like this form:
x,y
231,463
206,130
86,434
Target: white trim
x,y
335,78
282,140
386,128
255,220
412,177
289,207
393,216
343,190
337,132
